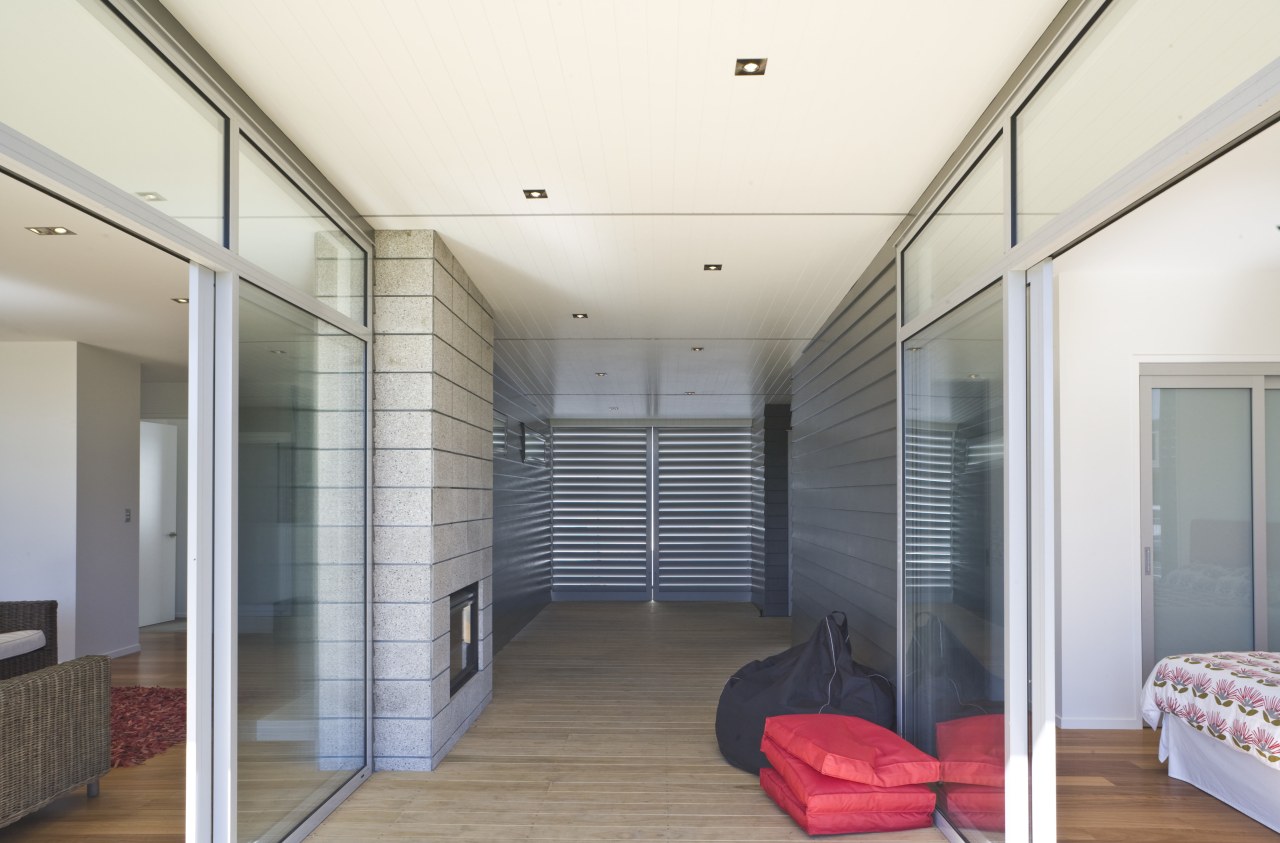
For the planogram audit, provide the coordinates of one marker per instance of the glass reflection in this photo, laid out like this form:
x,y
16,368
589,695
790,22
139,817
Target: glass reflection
x,y
284,232
301,643
1175,57
76,79
965,237
953,591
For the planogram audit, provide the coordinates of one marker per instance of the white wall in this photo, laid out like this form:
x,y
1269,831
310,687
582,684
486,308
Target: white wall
x,y
37,478
1113,313
167,402
109,399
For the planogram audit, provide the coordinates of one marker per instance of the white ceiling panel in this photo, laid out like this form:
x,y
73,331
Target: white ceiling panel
x,y
656,158
101,286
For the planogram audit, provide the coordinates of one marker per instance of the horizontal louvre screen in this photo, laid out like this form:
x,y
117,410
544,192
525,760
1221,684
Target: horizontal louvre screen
x,y
706,513
600,513
929,470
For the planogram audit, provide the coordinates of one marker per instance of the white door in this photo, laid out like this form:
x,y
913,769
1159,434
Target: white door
x,y
157,522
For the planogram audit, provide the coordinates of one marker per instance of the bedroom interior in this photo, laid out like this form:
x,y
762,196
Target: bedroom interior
x,y
1068,443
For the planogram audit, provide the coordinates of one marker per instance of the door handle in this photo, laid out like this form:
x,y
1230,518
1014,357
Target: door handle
x,y
172,535
1146,561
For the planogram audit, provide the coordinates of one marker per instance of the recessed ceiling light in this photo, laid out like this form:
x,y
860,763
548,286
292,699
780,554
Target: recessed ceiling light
x,y
149,195
601,374
973,377
49,230
696,348
712,267
691,392
579,315
749,67
181,300
535,193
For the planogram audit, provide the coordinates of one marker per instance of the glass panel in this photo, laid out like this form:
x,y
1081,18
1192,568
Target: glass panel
x,y
1202,514
1143,69
953,591
1273,518
75,79
963,238
302,671
284,232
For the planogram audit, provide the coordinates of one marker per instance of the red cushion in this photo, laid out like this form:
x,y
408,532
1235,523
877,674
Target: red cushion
x,y
974,806
971,750
851,748
827,794
825,819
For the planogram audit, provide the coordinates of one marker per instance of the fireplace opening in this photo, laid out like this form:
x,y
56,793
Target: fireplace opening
x,y
464,627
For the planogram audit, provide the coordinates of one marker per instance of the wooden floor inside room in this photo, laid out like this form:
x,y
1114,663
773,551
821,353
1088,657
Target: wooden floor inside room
x,y
601,728
142,804
1113,788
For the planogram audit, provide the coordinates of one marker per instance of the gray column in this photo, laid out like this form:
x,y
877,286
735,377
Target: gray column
x,y
433,509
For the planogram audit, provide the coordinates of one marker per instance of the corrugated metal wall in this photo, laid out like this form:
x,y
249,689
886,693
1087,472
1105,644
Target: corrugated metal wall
x,y
521,522
844,447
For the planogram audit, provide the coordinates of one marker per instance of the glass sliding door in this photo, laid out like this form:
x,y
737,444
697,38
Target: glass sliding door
x,y
954,577
1201,511
1211,508
301,641
1272,481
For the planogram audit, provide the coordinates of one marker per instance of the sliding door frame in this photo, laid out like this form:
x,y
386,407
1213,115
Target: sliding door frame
x,y
1257,378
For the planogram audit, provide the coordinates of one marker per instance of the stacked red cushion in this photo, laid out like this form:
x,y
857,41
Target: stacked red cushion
x,y
840,775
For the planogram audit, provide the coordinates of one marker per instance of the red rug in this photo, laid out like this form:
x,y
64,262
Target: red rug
x,y
145,722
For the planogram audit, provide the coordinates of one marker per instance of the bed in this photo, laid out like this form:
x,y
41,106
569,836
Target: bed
x,y
1219,721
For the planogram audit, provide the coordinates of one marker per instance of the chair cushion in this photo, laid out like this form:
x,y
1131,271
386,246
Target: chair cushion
x,y
20,642
971,750
819,815
851,748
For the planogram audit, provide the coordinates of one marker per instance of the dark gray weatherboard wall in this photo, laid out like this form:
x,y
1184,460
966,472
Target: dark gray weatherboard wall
x,y
521,520
776,600
844,446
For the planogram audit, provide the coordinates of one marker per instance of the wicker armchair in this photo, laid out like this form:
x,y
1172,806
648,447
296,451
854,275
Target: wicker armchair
x,y
55,719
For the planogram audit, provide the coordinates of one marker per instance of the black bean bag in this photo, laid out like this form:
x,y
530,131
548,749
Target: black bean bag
x,y
816,677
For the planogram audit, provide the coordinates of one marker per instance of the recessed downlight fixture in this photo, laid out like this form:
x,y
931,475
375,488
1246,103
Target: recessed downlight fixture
x,y
712,267
696,348
579,315
691,392
149,195
601,374
535,193
749,67
181,300
49,230
973,377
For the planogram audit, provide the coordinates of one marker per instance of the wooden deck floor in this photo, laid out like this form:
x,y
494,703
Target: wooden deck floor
x,y
600,729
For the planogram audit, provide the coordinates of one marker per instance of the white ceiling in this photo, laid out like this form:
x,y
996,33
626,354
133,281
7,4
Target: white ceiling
x,y
437,113
101,286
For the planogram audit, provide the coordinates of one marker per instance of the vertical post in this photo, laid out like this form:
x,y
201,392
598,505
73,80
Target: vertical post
x,y
1016,783
1261,601
200,544
652,470
1042,353
224,588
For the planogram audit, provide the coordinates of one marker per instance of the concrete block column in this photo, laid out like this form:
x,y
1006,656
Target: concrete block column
x,y
433,501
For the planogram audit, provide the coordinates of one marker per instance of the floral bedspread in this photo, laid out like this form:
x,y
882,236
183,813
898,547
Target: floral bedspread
x,y
1234,697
